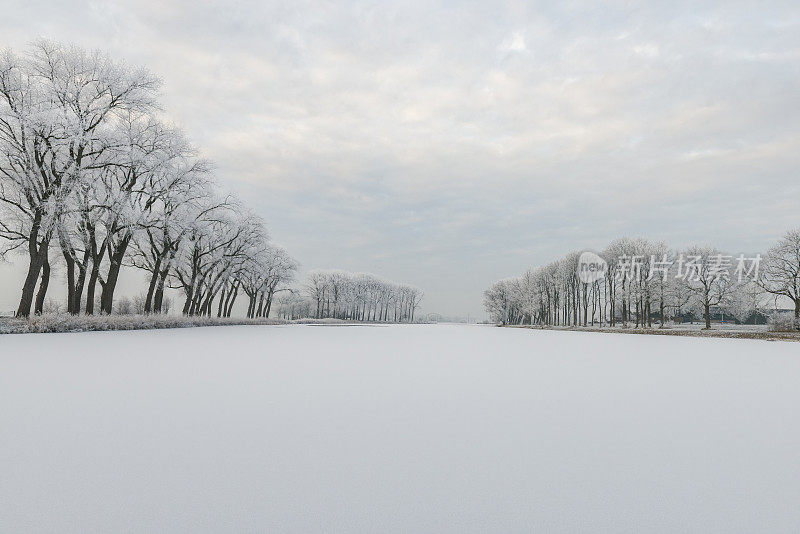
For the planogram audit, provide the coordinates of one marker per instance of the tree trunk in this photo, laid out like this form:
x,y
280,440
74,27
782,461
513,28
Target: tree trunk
x,y
624,313
189,297
107,297
79,284
70,263
91,287
151,289
198,294
158,298
97,260
269,303
206,308
221,302
38,253
229,306
251,308
260,305
45,281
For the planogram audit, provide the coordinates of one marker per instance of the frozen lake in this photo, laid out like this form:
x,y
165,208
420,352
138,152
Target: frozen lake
x,y
397,429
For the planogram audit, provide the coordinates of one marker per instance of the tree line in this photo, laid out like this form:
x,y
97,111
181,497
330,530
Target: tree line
x,y
92,178
355,296
643,282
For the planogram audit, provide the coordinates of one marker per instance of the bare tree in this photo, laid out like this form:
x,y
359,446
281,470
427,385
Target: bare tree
x,y
781,273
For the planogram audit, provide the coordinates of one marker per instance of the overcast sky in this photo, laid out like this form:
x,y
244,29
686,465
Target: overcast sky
x,y
451,144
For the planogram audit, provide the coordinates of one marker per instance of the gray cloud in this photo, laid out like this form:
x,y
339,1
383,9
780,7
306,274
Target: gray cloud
x,y
451,144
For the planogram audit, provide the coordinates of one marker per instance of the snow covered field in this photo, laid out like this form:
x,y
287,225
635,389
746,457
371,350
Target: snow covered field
x,y
435,428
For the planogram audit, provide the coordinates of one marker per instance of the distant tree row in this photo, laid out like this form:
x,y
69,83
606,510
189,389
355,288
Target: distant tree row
x,y
645,281
355,296
92,178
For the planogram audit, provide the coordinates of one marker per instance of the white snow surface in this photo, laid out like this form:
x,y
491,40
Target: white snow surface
x,y
423,428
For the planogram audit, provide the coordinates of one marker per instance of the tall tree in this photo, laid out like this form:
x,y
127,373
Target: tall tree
x,y
57,107
781,272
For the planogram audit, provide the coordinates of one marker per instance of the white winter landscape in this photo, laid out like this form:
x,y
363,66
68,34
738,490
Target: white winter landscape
x,y
374,267
397,428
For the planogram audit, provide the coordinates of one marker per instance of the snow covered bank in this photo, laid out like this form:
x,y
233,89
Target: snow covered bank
x,y
434,428
64,322
762,332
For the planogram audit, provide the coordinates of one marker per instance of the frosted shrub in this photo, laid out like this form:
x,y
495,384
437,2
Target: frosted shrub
x,y
783,322
138,304
51,306
124,306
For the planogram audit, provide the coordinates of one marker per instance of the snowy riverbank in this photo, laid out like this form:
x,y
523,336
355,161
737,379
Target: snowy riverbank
x,y
731,331
50,323
63,323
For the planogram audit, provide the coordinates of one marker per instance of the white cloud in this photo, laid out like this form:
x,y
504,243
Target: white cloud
x,y
514,43
647,50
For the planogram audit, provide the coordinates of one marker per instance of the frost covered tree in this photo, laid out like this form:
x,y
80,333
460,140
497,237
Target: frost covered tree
x,y
185,195
748,302
642,280
781,272
360,296
85,159
138,175
265,274
292,305
499,300
217,243
58,109
705,272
